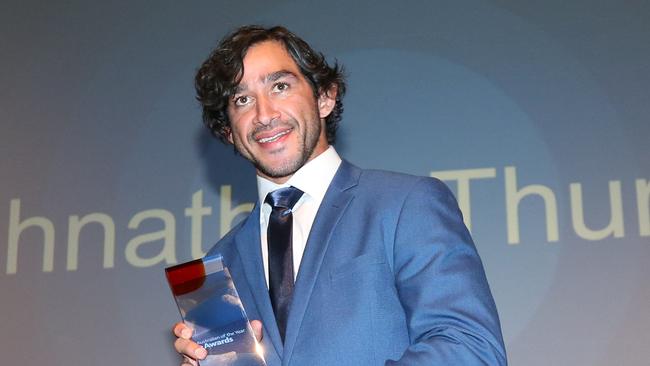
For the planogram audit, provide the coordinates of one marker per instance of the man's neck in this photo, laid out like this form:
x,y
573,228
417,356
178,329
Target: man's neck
x,y
319,170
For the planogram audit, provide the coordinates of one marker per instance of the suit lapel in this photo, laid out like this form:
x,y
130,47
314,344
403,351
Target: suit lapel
x,y
331,210
248,245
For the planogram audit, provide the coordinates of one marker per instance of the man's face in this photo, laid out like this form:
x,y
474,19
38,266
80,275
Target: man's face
x,y
275,120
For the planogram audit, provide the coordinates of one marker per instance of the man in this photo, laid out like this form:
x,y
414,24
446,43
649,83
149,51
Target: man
x,y
385,271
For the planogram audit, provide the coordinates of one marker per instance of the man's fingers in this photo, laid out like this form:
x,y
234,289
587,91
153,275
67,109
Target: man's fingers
x,y
189,362
188,348
182,331
192,351
257,329
184,345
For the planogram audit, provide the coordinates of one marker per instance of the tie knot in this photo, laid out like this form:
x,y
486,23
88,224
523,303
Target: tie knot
x,y
284,197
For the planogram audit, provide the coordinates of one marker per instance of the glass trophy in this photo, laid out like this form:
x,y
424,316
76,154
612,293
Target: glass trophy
x,y
209,304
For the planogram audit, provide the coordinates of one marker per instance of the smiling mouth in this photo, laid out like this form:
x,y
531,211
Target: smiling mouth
x,y
273,138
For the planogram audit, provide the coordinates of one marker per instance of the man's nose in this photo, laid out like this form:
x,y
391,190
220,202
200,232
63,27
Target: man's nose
x,y
266,110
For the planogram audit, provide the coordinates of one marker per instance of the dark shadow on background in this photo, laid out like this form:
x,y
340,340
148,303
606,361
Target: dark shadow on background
x,y
222,166
342,138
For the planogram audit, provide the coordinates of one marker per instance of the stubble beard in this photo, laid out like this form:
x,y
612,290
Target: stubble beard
x,y
306,146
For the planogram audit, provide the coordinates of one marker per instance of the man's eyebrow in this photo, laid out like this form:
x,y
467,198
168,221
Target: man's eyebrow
x,y
274,76
238,89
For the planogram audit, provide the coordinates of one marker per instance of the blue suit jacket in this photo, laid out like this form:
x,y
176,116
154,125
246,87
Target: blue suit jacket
x,y
389,276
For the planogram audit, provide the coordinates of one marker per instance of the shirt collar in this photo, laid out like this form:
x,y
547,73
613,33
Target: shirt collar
x,y
313,178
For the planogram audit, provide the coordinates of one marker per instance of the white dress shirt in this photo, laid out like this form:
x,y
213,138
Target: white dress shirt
x,y
313,179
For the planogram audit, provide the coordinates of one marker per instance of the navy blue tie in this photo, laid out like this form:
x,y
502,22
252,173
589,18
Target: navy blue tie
x,y
281,252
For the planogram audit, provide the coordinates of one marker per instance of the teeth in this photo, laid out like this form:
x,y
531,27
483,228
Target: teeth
x,y
273,138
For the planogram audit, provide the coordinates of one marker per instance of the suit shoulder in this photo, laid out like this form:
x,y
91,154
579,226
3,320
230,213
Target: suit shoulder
x,y
388,181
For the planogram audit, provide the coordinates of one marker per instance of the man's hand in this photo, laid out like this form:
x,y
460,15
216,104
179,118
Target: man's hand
x,y
191,351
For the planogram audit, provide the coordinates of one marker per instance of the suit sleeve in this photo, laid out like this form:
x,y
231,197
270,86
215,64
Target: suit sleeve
x,y
450,312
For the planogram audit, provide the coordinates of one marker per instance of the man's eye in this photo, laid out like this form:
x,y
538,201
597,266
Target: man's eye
x,y
243,100
280,87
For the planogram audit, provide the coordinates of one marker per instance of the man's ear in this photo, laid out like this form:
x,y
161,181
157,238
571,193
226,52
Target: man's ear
x,y
228,133
327,101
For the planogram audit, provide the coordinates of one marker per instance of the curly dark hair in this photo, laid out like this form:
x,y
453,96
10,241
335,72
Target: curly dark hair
x,y
218,76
